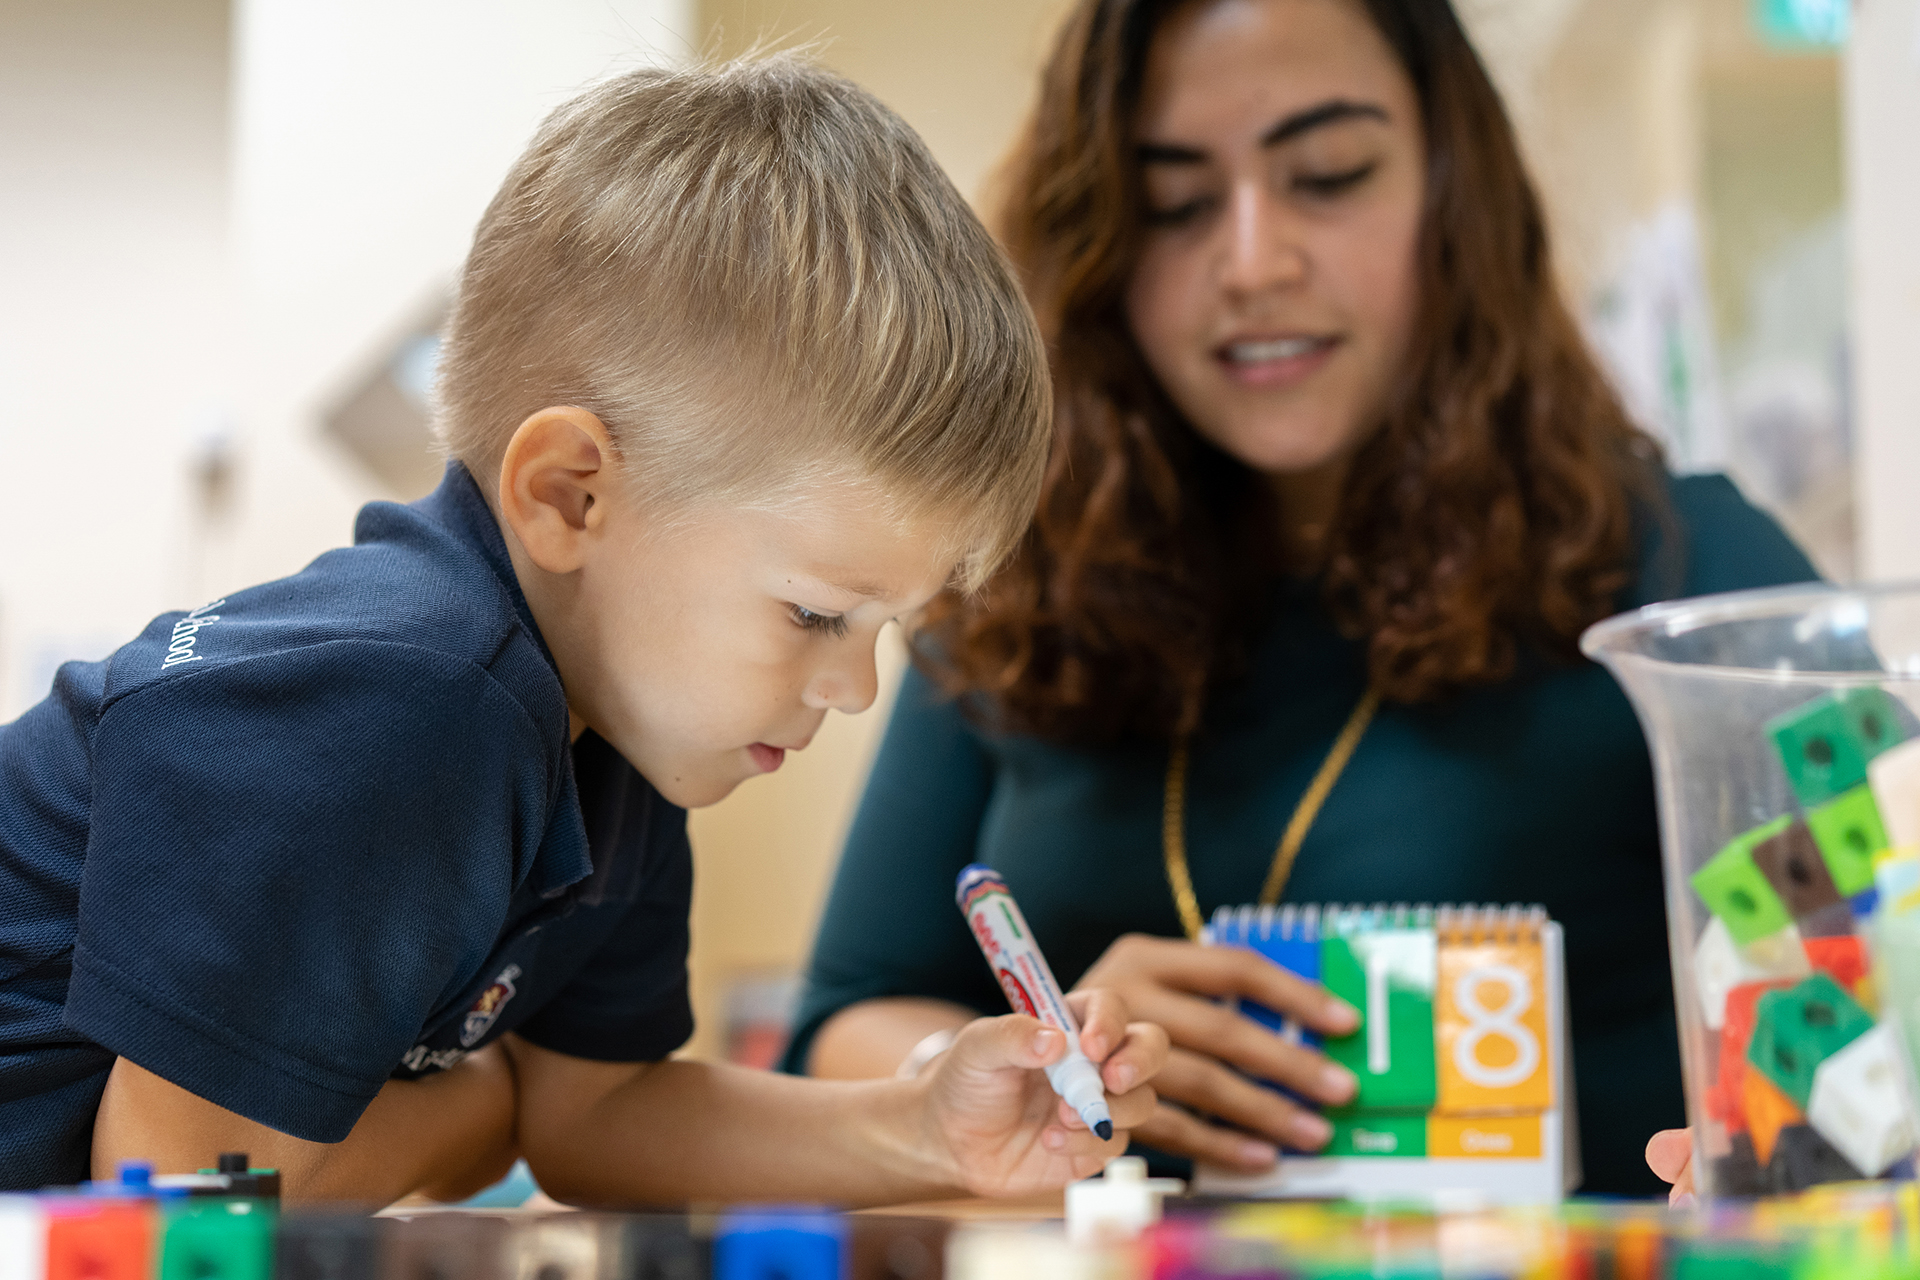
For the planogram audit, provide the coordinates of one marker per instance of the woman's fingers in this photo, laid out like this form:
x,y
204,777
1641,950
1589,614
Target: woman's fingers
x,y
1216,1031
1201,1084
1176,1132
1221,971
1670,1156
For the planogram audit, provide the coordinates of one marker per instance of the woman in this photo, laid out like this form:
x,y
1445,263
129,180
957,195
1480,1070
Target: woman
x,y
1336,486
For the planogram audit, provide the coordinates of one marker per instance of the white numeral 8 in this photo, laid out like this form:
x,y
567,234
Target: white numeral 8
x,y
1503,1022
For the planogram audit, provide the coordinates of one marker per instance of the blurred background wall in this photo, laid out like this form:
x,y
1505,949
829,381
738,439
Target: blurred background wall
x,y
227,229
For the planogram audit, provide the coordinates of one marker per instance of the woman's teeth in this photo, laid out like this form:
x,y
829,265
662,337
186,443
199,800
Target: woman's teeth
x,y
1276,349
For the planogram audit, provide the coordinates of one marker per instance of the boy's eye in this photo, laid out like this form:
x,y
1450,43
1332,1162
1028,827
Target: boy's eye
x,y
832,624
1334,183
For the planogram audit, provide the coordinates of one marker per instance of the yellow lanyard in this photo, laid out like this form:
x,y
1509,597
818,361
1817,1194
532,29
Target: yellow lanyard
x,y
1173,840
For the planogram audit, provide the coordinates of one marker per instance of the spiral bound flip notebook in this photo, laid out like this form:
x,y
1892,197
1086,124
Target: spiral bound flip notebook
x,y
1466,1083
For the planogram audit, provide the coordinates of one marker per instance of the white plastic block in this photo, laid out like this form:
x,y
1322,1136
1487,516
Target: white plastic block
x,y
1119,1205
1896,874
23,1239
1720,965
1894,775
982,1251
1858,1105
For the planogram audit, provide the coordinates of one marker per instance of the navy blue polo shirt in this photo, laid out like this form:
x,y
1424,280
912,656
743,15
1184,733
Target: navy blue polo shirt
x,y
319,834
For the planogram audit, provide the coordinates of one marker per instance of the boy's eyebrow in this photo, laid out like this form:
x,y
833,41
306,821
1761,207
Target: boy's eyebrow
x,y
851,586
1326,113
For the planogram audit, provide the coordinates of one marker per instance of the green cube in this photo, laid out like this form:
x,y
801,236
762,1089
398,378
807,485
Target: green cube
x,y
1796,1030
218,1238
1736,890
1386,1135
1388,975
1849,832
1825,745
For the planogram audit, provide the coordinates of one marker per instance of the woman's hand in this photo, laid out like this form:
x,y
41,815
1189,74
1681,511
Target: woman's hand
x,y
1177,985
988,1105
1670,1156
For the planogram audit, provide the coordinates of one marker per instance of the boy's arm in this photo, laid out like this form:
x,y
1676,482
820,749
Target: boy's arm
x,y
981,1121
448,1134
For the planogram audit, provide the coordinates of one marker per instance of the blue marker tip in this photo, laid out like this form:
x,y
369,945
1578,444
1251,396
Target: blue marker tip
x,y
1105,1130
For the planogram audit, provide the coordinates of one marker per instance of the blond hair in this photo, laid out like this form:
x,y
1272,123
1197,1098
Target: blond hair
x,y
757,277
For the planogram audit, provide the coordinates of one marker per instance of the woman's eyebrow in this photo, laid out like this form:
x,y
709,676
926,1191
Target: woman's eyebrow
x,y
1326,113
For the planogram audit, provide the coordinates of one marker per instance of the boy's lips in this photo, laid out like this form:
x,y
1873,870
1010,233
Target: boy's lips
x,y
768,756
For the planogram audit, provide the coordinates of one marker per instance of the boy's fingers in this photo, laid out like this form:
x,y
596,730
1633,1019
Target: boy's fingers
x,y
1103,1020
1133,1109
1082,1143
1141,1056
1127,1110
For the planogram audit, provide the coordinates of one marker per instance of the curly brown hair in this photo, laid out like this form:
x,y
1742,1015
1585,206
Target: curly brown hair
x,y
1494,510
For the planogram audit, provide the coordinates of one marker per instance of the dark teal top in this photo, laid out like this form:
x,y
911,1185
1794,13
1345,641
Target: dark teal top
x,y
1538,789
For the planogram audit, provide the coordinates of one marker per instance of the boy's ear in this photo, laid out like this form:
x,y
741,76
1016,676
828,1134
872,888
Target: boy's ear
x,y
556,480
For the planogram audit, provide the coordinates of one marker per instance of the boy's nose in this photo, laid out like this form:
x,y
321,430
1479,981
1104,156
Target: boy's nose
x,y
848,688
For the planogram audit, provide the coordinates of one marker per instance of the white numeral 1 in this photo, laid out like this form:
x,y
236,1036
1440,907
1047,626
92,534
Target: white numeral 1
x,y
1379,1030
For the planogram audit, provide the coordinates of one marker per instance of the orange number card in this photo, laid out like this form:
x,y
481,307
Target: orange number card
x,y
1490,1014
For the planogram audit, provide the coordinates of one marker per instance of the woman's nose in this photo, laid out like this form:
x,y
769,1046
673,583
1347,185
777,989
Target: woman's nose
x,y
1262,250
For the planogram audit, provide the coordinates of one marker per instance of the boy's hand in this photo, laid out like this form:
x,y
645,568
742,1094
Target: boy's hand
x,y
1670,1156
1006,1132
1179,985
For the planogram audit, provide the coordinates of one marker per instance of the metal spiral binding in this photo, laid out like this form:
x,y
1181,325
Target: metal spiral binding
x,y
1309,922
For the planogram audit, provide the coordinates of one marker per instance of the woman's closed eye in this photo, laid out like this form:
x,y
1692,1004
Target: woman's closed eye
x,y
1327,183
828,624
1172,214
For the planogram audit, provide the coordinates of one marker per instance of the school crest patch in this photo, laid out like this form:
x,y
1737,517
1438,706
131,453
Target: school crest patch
x,y
486,1010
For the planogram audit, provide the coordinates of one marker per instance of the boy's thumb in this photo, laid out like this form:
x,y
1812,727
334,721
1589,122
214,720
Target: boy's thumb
x,y
1011,1041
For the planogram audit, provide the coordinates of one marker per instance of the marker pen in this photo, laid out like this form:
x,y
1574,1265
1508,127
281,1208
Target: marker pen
x,y
1015,959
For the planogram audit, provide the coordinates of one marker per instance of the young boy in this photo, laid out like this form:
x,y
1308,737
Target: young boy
x,y
380,871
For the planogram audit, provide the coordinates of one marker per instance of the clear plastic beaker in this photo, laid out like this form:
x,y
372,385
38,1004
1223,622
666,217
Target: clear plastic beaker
x,y
1766,712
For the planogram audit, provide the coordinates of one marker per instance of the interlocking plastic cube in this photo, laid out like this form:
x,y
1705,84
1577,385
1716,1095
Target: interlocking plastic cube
x,y
1768,1111
1798,1029
1849,832
1826,744
1895,779
1736,890
316,1244
1802,1159
1842,959
1388,975
23,1239
780,1246
1857,1104
1791,862
1726,1099
218,1239
1719,966
1739,1173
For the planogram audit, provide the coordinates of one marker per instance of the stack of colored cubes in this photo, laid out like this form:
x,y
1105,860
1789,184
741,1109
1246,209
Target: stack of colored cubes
x,y
1805,1083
